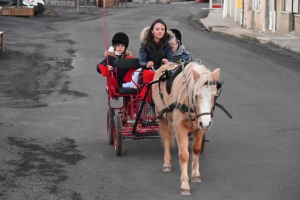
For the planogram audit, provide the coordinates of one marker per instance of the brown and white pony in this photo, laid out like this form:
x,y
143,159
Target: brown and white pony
x,y
192,98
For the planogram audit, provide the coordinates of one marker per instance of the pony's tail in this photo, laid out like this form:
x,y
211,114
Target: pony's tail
x,y
172,137
172,140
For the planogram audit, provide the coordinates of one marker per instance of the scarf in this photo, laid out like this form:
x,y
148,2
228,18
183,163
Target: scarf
x,y
179,50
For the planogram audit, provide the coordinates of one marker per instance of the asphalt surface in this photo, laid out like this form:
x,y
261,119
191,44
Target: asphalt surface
x,y
53,107
34,75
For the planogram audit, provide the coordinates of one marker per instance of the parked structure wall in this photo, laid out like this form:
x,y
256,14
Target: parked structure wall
x,y
297,25
288,17
260,17
266,15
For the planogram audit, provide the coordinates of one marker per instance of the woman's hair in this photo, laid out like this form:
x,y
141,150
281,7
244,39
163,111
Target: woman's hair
x,y
149,36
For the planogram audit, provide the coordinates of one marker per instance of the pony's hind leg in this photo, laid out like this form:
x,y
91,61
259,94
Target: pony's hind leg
x,y
197,134
183,142
167,136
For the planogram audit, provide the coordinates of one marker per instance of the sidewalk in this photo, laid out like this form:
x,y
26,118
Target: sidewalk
x,y
216,23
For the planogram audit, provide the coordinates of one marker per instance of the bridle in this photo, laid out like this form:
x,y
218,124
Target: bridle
x,y
193,118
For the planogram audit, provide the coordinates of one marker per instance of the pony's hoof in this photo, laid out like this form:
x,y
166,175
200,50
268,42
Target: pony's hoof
x,y
167,169
196,179
185,192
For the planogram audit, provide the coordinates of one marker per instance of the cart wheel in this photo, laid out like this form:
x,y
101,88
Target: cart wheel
x,y
118,138
110,125
203,143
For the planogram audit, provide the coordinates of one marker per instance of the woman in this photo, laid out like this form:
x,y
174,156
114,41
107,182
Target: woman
x,y
155,51
156,45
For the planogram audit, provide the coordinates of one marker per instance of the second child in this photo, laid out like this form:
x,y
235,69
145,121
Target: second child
x,y
120,42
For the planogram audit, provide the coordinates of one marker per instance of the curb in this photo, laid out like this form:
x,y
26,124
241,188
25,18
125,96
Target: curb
x,y
257,39
284,46
262,40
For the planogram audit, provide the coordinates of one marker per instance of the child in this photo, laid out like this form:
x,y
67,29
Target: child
x,y
120,42
179,51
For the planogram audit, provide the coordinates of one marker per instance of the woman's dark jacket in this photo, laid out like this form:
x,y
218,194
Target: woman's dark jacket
x,y
153,53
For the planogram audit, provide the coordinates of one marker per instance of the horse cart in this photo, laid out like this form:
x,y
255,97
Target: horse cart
x,y
184,94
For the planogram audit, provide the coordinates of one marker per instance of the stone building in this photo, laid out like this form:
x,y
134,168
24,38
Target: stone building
x,y
281,16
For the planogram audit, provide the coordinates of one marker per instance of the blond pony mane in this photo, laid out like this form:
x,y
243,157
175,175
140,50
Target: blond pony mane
x,y
193,77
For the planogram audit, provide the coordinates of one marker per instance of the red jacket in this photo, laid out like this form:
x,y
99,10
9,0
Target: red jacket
x,y
124,75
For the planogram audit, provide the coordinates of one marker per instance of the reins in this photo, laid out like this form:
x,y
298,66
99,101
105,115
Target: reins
x,y
104,28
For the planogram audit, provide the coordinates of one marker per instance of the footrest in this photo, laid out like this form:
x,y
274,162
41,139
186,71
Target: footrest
x,y
127,91
147,123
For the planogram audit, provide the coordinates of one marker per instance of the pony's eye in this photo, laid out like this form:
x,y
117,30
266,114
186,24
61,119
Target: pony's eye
x,y
195,96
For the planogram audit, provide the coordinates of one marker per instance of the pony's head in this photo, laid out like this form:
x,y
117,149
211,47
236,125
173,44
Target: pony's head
x,y
203,91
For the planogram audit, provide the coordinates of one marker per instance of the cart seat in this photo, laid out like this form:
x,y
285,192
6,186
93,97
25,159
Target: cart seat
x,y
127,63
127,90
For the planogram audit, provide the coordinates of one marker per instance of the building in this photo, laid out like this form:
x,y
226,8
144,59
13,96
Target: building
x,y
281,16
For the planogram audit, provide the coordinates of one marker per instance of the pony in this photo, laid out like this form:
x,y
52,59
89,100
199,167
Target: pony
x,y
186,108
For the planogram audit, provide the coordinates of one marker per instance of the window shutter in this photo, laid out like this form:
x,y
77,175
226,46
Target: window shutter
x,y
288,5
296,6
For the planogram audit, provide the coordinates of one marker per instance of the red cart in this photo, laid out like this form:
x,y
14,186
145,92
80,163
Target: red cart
x,y
135,119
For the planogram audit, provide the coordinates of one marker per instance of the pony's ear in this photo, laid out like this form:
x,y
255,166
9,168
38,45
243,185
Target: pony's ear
x,y
196,74
215,74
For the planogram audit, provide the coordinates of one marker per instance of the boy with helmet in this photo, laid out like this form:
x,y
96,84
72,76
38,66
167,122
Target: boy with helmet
x,y
120,42
179,51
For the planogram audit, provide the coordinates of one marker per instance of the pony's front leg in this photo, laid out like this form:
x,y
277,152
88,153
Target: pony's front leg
x,y
166,135
197,134
183,142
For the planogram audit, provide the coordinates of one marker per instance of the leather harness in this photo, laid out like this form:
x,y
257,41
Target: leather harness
x,y
169,76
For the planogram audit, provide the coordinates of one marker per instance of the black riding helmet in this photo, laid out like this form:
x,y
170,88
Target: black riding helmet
x,y
177,35
120,38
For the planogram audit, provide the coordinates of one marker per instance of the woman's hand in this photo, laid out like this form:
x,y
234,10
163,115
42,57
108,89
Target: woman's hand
x,y
149,64
110,68
165,61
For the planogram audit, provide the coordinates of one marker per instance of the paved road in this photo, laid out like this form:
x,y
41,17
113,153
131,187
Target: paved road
x,y
53,113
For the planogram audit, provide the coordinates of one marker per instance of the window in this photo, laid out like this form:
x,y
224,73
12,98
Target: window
x,y
296,6
256,5
292,6
288,5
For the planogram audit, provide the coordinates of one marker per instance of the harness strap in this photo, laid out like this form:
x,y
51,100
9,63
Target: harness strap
x,y
184,108
222,108
166,110
181,107
211,83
